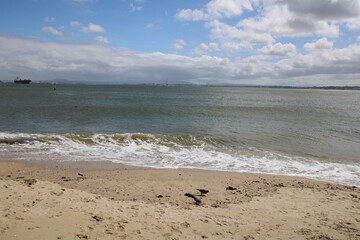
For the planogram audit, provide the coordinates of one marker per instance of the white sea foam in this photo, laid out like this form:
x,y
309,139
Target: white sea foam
x,y
171,152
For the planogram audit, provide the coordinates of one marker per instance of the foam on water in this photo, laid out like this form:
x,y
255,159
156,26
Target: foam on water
x,y
164,151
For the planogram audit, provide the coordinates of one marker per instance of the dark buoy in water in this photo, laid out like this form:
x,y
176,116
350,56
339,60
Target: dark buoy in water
x,y
54,87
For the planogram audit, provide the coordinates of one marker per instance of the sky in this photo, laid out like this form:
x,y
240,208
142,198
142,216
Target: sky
x,y
257,42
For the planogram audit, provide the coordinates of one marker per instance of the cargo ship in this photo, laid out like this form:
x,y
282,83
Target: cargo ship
x,y
22,81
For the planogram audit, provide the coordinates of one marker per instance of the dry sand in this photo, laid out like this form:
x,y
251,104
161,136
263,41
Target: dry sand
x,y
76,201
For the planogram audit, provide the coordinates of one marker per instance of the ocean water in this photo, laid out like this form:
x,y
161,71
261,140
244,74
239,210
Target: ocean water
x,y
310,133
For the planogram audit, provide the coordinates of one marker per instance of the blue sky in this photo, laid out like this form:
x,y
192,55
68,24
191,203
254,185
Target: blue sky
x,y
272,42
139,25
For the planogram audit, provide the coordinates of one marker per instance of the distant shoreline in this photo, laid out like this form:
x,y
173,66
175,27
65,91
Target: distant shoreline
x,y
198,85
325,87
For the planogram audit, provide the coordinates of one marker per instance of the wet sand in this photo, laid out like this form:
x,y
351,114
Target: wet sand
x,y
103,200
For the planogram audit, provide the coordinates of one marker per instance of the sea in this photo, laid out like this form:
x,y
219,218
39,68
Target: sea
x,y
312,133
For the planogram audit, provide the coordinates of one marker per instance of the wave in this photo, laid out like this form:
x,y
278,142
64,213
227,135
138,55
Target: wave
x,y
121,139
171,151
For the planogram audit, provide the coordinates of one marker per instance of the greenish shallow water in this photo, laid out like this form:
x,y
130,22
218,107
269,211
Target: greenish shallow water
x,y
312,133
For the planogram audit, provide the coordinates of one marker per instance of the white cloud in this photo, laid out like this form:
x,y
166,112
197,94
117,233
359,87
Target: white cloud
x,y
212,47
227,8
137,5
154,24
226,33
75,23
150,25
215,9
325,9
278,20
53,31
49,60
354,25
101,39
321,44
279,49
234,46
191,15
93,28
273,19
304,17
49,19
332,63
178,44
205,48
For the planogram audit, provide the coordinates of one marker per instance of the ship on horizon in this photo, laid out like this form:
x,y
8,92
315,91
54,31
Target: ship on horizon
x,y
22,81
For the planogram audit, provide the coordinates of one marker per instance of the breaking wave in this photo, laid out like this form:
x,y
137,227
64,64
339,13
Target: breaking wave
x,y
169,151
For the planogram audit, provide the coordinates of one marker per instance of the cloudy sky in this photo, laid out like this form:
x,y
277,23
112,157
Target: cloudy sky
x,y
272,42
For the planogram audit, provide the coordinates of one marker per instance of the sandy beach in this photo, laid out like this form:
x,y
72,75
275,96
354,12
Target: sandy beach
x,y
102,200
